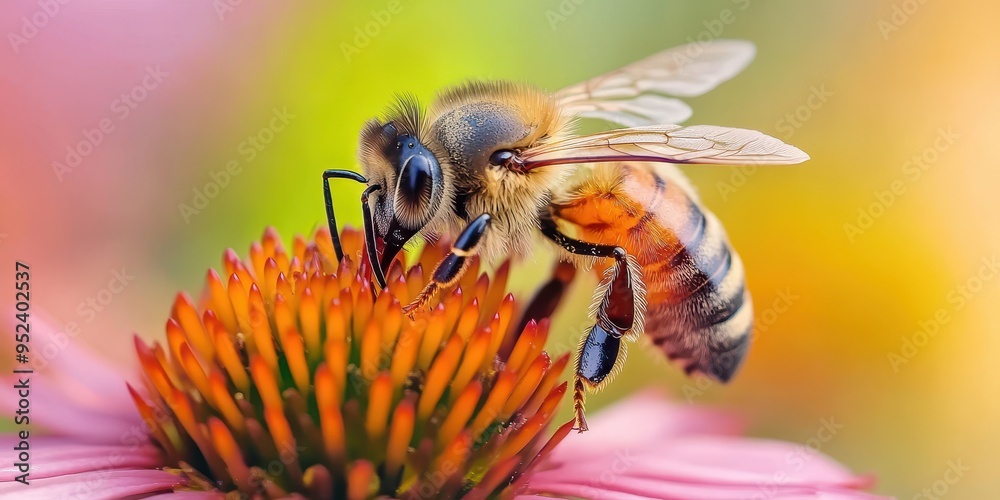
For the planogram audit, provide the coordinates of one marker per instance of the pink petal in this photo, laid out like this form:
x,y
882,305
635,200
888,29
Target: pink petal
x,y
641,419
53,410
52,456
718,460
57,354
581,490
759,458
631,488
648,448
95,485
74,392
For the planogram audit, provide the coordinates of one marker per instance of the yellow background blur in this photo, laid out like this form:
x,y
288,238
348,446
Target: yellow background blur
x,y
851,257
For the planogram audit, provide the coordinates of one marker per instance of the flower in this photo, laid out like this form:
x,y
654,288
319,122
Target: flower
x,y
291,376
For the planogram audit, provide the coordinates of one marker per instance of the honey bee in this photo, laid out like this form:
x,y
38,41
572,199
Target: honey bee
x,y
489,164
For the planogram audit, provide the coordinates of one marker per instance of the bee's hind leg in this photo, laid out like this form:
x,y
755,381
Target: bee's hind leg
x,y
451,268
619,309
599,354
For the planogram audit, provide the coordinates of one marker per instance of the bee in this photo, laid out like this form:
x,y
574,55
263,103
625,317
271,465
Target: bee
x,y
490,164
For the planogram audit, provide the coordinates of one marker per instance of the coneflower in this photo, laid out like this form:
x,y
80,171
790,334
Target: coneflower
x,y
292,375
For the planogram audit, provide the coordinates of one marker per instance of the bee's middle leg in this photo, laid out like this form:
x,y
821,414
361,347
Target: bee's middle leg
x,y
619,306
451,268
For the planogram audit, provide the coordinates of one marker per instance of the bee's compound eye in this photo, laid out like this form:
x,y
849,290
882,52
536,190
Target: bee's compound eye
x,y
418,186
415,178
501,157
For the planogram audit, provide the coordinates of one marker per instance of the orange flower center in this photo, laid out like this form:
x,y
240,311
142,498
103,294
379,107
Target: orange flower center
x,y
291,375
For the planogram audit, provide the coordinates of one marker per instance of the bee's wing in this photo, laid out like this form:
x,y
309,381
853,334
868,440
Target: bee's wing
x,y
635,95
667,144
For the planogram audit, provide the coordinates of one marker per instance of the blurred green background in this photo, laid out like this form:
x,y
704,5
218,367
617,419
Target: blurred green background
x,y
871,271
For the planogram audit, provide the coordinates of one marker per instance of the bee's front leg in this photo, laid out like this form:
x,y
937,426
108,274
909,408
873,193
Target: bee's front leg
x,y
619,307
451,268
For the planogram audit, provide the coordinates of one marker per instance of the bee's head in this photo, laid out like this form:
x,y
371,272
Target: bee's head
x,y
413,188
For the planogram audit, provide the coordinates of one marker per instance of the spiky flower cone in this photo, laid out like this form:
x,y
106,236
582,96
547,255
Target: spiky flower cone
x,y
291,375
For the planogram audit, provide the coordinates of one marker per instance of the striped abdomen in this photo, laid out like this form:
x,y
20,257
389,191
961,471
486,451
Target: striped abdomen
x,y
698,309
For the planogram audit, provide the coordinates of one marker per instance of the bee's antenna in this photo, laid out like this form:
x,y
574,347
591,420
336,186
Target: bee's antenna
x,y
330,218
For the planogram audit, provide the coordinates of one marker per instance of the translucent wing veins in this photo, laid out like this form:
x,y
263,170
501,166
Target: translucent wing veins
x,y
670,144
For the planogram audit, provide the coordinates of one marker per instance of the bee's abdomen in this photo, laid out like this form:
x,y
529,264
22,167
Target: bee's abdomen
x,y
698,309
